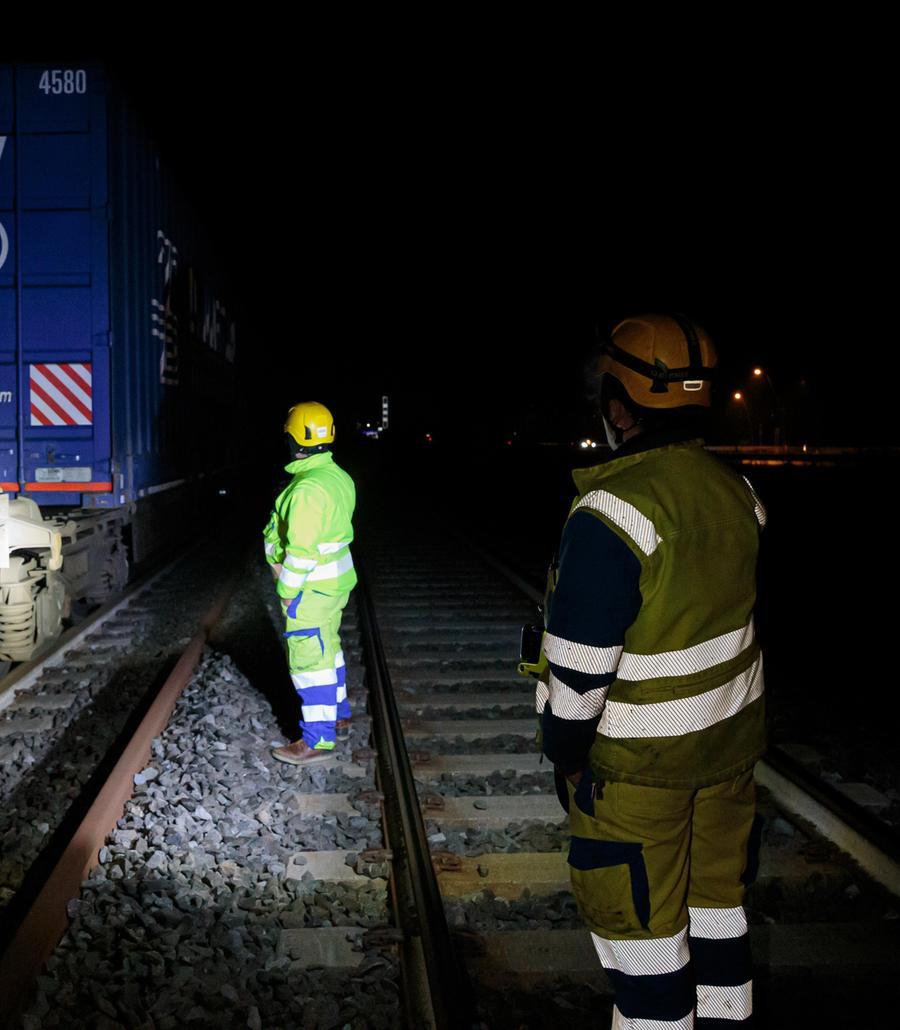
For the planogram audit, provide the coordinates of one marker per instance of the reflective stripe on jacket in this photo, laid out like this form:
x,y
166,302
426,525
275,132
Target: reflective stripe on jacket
x,y
310,530
685,708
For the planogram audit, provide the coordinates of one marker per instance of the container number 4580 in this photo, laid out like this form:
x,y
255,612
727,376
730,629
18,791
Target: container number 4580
x,y
63,80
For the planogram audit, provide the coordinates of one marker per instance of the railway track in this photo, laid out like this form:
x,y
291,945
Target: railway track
x,y
449,616
421,875
62,713
213,879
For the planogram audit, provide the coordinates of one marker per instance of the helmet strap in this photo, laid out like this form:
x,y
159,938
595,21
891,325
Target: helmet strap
x,y
299,450
695,360
615,434
308,452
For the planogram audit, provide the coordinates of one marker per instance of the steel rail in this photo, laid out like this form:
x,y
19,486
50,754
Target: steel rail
x,y
421,909
880,834
46,920
869,841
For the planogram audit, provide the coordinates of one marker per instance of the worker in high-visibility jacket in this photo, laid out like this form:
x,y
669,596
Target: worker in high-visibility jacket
x,y
652,703
307,544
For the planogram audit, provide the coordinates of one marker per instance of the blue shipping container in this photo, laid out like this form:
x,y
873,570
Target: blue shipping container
x,y
116,343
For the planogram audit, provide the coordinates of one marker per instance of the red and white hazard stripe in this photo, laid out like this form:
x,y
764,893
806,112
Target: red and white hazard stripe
x,y
61,395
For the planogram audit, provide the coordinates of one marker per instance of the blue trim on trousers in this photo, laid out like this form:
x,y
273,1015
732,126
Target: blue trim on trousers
x,y
586,854
663,996
721,962
313,631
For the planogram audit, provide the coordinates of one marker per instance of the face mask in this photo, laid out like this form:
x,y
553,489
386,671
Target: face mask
x,y
613,435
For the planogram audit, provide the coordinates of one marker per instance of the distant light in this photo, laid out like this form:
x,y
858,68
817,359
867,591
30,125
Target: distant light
x,y
757,372
428,437
223,493
804,448
509,443
368,425
593,443
738,396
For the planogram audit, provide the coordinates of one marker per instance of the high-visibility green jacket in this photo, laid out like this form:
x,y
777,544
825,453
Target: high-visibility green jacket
x,y
310,530
663,669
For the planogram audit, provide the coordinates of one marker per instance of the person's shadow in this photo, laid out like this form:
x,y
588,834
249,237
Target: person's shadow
x,y
247,634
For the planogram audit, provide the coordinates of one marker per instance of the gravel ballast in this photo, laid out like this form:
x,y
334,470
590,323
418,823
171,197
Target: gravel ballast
x,y
184,921
53,735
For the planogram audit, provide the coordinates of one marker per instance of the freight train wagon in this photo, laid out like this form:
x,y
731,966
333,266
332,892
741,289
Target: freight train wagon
x,y
117,350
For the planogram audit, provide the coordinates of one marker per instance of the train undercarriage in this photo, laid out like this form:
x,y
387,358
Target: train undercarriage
x,y
47,565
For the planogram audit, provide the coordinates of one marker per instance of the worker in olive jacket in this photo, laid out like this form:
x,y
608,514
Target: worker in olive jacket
x,y
652,702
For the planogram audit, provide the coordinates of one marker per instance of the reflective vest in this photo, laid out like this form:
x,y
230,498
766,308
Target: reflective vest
x,y
686,707
310,530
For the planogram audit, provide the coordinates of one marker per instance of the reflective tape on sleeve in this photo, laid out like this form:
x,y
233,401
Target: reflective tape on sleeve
x,y
759,509
332,548
332,569
624,515
580,657
300,564
291,578
691,660
653,957
567,703
684,714
541,696
270,548
341,694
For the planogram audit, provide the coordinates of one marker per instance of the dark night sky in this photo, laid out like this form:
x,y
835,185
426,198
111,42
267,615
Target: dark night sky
x,y
456,244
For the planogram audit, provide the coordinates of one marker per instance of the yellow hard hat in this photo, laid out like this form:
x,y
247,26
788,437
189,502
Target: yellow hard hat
x,y
310,424
662,361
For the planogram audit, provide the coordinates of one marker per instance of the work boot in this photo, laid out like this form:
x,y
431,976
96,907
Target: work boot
x,y
300,753
342,729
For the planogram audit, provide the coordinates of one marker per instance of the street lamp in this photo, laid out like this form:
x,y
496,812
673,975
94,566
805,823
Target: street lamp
x,y
739,397
780,435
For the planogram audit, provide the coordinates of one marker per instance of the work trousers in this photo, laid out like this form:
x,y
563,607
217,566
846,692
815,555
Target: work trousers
x,y
316,664
659,875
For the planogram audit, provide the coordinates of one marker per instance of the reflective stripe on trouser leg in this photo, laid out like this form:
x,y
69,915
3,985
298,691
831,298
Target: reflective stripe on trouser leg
x,y
340,671
313,645
720,947
629,866
652,980
620,1022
